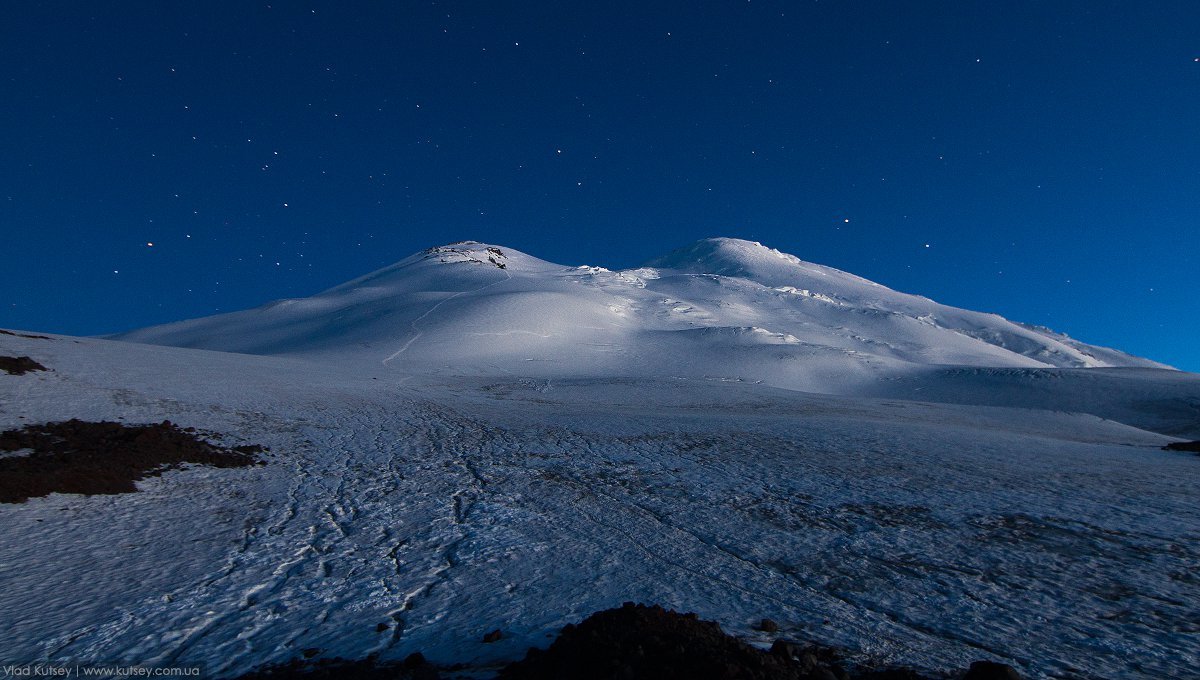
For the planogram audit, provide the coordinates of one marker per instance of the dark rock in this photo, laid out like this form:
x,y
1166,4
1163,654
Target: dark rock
x,y
19,365
23,335
100,457
493,636
810,658
785,648
990,670
414,667
310,652
638,641
1193,447
414,660
891,674
768,626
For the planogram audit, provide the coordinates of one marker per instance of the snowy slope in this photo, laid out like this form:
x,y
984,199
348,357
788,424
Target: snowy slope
x,y
401,513
474,439
722,308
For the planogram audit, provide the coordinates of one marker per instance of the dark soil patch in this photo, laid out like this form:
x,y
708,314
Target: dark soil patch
x,y
22,335
1194,447
19,365
990,670
636,641
103,458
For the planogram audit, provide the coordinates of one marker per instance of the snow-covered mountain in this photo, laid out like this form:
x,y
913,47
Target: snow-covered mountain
x,y
474,440
719,309
724,308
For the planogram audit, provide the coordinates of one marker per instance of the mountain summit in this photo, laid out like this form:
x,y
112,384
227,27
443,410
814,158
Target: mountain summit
x,y
752,260
719,308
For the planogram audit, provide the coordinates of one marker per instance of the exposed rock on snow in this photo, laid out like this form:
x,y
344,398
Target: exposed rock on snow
x,y
19,365
638,641
80,457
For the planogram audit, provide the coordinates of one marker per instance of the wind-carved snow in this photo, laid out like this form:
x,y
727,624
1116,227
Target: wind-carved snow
x,y
803,292
459,447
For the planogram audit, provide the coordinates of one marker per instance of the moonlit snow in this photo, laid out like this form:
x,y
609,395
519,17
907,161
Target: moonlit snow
x,y
474,439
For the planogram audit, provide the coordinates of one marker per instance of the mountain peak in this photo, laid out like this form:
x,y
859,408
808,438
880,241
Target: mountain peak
x,y
482,255
470,251
725,256
721,250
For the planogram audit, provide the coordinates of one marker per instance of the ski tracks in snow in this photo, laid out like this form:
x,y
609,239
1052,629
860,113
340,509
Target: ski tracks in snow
x,y
414,326
410,525
372,512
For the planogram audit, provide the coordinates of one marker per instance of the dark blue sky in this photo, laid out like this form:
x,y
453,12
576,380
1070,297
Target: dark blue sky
x,y
1038,160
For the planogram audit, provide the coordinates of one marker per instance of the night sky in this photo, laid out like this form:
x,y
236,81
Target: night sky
x,y
1037,160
